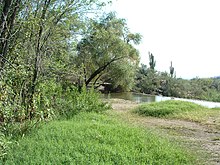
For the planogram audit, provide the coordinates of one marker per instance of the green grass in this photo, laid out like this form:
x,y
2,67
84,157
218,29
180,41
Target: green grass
x,y
178,110
91,138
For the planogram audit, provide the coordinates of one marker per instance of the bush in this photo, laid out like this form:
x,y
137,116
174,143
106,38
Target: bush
x,y
51,100
58,101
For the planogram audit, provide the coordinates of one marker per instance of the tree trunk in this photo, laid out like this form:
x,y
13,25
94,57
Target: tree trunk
x,y
101,69
37,60
6,27
3,28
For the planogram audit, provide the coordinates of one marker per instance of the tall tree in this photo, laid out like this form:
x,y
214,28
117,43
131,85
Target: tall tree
x,y
47,31
107,41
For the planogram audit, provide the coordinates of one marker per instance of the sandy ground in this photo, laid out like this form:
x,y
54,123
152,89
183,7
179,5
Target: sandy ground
x,y
201,138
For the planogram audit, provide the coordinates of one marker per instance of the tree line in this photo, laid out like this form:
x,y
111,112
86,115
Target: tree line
x,y
150,81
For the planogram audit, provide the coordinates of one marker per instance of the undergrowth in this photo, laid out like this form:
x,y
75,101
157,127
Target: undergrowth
x,y
51,101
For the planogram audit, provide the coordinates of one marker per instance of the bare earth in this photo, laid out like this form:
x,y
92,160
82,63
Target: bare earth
x,y
200,138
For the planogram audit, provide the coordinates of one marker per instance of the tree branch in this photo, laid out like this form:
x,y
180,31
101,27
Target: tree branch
x,y
102,68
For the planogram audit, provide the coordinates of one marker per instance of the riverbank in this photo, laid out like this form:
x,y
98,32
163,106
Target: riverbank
x,y
92,138
201,137
119,136
142,98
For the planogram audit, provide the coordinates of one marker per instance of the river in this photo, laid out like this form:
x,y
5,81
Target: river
x,y
140,98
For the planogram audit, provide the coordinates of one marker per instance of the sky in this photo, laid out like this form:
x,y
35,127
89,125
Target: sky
x,y
186,32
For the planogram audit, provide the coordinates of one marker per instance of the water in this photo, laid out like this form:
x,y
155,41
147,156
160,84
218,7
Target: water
x,y
136,97
140,98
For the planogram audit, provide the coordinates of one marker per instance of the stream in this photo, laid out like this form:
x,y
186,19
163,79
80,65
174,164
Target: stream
x,y
141,98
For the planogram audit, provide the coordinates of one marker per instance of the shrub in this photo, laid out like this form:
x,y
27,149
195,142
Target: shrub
x,y
66,102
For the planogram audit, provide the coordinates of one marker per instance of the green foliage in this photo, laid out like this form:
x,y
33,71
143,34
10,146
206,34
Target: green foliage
x,y
153,82
107,44
167,108
51,100
57,100
38,48
4,146
121,75
91,138
39,41
39,38
147,80
89,101
84,101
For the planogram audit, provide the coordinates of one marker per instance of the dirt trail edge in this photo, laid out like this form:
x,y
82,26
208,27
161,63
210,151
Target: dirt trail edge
x,y
203,138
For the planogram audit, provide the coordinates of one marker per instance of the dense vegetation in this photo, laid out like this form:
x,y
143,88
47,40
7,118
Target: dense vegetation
x,y
54,54
91,138
150,81
51,53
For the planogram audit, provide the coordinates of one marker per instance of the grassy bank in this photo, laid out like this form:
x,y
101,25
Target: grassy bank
x,y
90,138
179,110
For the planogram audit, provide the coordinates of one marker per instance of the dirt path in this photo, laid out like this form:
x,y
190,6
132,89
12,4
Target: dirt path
x,y
201,138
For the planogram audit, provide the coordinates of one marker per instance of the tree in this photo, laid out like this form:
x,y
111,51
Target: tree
x,y
106,42
147,80
47,30
8,12
120,75
53,25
